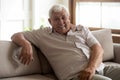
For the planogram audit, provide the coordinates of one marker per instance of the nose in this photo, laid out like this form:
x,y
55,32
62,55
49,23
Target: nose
x,y
61,22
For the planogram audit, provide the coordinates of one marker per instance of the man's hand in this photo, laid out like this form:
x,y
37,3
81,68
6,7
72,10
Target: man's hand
x,y
87,74
94,61
26,55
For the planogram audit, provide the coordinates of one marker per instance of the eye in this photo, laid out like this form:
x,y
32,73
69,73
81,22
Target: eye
x,y
56,19
64,18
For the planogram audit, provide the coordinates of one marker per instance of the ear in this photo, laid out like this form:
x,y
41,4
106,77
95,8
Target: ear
x,y
70,18
49,20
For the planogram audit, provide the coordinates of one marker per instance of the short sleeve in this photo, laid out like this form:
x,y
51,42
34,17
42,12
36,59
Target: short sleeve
x,y
33,36
90,39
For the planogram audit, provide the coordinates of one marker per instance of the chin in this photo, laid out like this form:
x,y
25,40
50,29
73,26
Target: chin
x,y
64,32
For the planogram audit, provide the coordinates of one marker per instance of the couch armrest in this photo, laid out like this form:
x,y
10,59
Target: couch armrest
x,y
9,67
116,52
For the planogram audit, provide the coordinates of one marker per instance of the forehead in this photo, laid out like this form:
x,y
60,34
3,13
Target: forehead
x,y
60,13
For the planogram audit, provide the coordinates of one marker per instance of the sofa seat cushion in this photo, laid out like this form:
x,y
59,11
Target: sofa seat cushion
x,y
32,77
111,64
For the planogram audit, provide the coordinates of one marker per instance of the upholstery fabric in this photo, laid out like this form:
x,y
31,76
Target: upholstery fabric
x,y
45,66
117,53
9,67
31,77
104,36
112,64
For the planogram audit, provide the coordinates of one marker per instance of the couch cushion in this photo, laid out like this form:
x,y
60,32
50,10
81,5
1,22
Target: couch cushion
x,y
104,36
32,77
9,67
45,66
111,64
117,52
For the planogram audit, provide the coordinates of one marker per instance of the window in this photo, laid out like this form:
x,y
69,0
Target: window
x,y
11,17
98,14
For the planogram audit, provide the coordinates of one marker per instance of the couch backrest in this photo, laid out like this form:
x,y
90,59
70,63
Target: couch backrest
x,y
45,66
9,67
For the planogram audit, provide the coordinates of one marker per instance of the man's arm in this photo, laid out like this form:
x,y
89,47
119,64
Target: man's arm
x,y
94,61
96,56
26,55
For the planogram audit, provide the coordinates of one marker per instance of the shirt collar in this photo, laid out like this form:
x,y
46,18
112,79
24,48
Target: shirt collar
x,y
51,30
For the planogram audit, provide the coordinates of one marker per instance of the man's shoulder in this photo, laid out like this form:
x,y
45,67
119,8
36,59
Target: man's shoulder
x,y
46,29
40,31
81,27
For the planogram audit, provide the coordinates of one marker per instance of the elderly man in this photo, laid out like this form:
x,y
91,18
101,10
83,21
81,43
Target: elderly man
x,y
72,50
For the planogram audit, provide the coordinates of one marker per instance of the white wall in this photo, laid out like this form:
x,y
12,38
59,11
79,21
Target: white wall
x,y
15,15
41,8
40,11
64,2
11,18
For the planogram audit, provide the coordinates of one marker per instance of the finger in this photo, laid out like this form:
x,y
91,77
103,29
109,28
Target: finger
x,y
83,75
23,60
87,76
27,62
29,59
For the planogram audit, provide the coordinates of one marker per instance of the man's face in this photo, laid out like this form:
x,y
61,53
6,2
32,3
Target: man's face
x,y
60,22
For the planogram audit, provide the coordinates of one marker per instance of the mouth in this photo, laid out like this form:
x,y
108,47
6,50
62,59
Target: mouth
x,y
62,27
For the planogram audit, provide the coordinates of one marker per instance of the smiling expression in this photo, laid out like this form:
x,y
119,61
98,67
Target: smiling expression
x,y
60,21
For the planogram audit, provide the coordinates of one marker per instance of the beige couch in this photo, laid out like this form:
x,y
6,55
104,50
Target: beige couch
x,y
10,69
40,69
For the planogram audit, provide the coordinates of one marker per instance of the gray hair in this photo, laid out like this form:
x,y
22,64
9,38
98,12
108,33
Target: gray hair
x,y
57,8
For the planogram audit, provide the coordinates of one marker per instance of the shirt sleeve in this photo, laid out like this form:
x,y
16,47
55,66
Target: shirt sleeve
x,y
90,39
33,36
